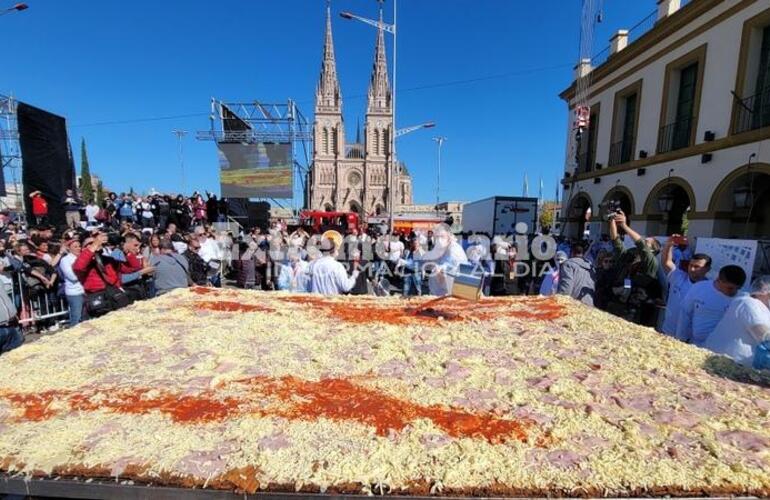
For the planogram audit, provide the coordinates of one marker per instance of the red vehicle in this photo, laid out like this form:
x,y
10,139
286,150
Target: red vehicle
x,y
317,221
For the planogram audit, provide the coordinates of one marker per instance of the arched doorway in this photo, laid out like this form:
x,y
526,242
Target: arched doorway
x,y
741,203
668,204
356,207
379,209
578,213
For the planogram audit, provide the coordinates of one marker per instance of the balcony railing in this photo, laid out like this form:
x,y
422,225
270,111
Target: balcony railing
x,y
752,113
621,152
676,135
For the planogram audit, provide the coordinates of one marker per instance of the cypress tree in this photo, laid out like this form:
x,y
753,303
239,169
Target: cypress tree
x,y
85,174
99,193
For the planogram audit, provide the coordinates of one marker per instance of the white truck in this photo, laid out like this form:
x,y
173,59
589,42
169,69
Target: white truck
x,y
499,215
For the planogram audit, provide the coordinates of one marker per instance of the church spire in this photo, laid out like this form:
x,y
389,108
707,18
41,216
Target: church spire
x,y
328,94
379,87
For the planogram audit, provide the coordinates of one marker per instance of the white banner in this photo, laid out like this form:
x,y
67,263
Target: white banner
x,y
724,252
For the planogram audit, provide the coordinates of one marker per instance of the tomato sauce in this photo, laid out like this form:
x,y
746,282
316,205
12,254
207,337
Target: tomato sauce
x,y
229,306
446,309
287,397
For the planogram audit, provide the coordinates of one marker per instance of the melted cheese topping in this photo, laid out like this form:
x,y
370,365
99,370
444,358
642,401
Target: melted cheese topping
x,y
528,394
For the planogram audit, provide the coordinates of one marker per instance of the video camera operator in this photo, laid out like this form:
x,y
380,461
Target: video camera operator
x,y
100,275
636,280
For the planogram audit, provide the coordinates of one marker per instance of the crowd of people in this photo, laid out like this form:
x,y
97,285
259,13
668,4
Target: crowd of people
x,y
132,248
667,287
104,257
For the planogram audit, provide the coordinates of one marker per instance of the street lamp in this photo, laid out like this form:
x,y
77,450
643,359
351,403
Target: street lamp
x,y
743,196
389,28
666,200
16,8
408,130
440,142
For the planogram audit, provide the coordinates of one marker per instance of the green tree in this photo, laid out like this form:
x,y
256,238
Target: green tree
x,y
100,195
85,174
546,218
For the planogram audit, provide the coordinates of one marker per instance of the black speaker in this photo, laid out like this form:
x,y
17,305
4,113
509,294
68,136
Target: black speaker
x,y
597,180
706,158
641,171
259,214
709,136
642,154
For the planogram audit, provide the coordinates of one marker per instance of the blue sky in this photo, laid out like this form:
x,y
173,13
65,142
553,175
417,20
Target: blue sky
x,y
99,62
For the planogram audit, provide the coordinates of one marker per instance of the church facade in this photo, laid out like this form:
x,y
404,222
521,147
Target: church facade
x,y
354,176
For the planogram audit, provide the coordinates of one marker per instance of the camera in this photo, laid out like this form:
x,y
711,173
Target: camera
x,y
612,208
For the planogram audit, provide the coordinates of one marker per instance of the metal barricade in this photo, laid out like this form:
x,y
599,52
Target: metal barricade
x,y
34,307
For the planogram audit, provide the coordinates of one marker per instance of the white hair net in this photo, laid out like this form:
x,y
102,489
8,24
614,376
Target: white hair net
x,y
761,285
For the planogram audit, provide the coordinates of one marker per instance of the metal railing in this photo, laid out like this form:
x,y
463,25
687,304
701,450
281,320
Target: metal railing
x,y
752,112
621,152
33,307
676,135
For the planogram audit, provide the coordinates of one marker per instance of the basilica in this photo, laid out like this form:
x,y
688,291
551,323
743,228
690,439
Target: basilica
x,y
354,176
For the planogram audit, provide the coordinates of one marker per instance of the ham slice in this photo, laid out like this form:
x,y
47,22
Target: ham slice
x,y
559,459
274,442
677,419
394,368
433,441
542,383
202,464
455,371
744,440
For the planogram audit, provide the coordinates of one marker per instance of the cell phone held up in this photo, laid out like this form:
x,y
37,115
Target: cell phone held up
x,y
680,241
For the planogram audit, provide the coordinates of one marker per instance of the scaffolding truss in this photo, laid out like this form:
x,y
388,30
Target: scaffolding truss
x,y
254,122
10,153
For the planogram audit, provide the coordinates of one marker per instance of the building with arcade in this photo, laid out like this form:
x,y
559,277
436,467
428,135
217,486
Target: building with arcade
x,y
679,124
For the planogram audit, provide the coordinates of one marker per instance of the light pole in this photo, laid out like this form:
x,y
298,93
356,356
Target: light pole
x,y
389,28
16,8
440,142
180,135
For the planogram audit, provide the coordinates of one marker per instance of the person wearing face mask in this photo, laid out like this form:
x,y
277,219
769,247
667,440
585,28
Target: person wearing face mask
x,y
294,276
745,325
445,257
679,282
550,283
705,305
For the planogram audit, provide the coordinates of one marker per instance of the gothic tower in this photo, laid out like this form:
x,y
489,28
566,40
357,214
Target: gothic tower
x,y
354,177
328,128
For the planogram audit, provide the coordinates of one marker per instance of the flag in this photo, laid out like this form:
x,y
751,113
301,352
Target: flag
x,y
540,190
557,191
526,186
